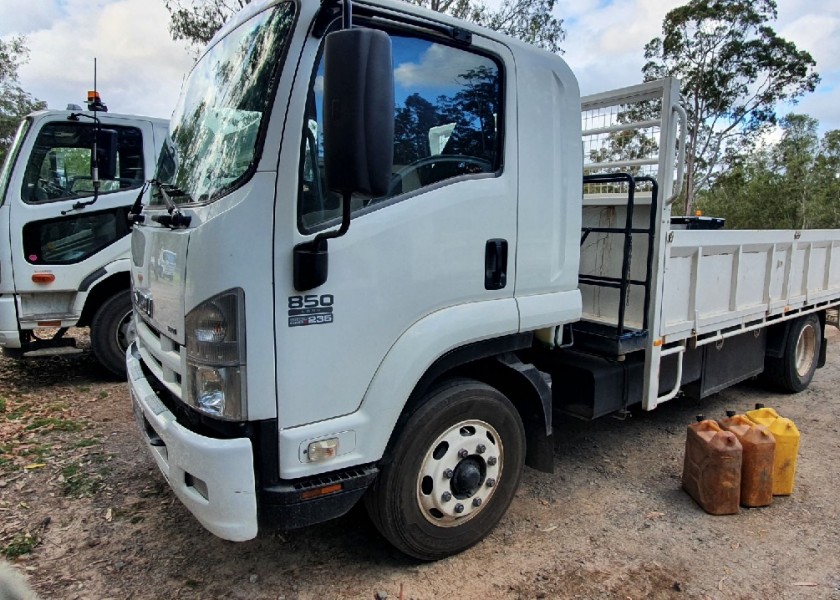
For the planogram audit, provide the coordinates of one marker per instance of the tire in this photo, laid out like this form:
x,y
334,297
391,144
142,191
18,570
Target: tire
x,y
455,469
111,332
794,371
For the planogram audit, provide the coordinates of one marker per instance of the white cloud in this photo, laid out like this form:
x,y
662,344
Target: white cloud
x,y
21,17
140,68
437,65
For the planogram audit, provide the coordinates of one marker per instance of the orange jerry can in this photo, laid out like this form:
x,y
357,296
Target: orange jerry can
x,y
712,467
759,449
786,434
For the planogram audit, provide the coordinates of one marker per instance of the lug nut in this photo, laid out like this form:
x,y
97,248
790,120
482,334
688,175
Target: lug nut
x,y
476,502
446,497
448,473
459,508
490,482
462,453
491,461
480,448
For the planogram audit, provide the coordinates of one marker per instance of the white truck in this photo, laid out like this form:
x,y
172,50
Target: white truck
x,y
361,309
64,258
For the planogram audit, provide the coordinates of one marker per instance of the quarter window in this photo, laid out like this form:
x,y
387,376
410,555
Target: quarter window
x,y
446,125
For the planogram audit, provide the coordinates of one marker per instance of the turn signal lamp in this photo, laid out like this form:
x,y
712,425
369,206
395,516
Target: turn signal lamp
x,y
321,491
698,213
43,277
322,450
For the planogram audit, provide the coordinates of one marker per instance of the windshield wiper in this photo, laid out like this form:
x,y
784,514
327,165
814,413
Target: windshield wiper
x,y
174,218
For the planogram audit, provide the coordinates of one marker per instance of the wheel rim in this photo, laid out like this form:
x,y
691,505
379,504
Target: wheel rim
x,y
806,350
125,332
460,473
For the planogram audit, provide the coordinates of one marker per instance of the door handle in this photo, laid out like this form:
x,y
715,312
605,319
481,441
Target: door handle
x,y
495,264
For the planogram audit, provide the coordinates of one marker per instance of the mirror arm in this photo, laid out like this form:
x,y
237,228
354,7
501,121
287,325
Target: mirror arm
x,y
348,14
345,223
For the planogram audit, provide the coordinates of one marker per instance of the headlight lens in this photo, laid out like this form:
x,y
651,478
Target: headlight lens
x,y
216,330
217,391
216,356
210,324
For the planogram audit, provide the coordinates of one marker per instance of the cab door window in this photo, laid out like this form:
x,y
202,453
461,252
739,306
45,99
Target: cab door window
x,y
59,166
446,125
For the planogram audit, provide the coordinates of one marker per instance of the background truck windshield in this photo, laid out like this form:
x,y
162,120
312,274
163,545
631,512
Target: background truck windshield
x,y
213,132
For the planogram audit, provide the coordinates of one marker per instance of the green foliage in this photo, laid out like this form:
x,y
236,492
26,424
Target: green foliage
x,y
80,481
528,20
15,103
734,69
196,21
792,184
22,543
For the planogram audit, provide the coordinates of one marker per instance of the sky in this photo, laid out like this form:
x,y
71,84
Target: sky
x,y
140,69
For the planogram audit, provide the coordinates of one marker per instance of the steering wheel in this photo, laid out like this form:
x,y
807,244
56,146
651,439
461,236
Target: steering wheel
x,y
464,164
54,190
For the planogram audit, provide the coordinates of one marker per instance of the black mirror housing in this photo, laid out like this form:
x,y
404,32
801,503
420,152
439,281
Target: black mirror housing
x,y
358,111
106,153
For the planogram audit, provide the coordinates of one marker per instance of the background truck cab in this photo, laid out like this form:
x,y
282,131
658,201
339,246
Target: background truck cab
x,y
64,260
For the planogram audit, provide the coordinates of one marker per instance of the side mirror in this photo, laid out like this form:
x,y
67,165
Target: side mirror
x,y
106,153
358,134
358,111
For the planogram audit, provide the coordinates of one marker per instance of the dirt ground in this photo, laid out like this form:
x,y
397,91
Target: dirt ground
x,y
85,514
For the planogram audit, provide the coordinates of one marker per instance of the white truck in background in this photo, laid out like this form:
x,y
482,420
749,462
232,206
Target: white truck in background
x,y
366,307
64,259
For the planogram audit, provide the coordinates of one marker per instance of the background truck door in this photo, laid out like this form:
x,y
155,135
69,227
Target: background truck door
x,y
47,233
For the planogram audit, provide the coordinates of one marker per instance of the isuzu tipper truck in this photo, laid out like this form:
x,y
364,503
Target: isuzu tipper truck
x,y
66,187
391,268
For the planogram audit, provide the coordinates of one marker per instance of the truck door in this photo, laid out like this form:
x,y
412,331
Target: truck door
x,y
442,238
50,232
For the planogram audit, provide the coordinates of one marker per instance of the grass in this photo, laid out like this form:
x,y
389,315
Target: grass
x,y
86,443
54,424
22,543
2,404
38,452
79,482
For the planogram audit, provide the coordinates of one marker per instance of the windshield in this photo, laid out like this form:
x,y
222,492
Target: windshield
x,y
11,156
213,132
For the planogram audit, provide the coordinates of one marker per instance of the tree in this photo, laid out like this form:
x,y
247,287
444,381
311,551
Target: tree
x,y
734,71
196,21
15,103
791,184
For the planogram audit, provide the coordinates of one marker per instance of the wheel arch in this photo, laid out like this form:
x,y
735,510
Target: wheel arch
x,y
99,293
494,362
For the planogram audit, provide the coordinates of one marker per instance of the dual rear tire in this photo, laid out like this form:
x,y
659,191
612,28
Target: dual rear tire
x,y
793,371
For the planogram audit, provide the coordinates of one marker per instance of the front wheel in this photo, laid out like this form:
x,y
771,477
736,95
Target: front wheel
x,y
455,470
111,332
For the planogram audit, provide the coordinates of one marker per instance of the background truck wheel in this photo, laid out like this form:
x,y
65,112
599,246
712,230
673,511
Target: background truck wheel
x,y
111,331
795,369
454,471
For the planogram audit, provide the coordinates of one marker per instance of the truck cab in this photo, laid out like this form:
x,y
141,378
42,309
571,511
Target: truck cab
x,y
65,260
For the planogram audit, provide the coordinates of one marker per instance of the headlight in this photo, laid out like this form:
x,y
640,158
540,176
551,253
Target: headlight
x,y
215,332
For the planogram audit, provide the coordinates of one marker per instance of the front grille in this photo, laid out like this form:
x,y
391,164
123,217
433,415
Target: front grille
x,y
162,355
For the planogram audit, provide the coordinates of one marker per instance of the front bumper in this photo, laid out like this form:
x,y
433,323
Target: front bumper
x,y
9,335
214,478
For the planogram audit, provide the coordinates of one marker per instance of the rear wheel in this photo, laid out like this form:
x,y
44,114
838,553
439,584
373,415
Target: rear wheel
x,y
794,370
111,332
454,471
